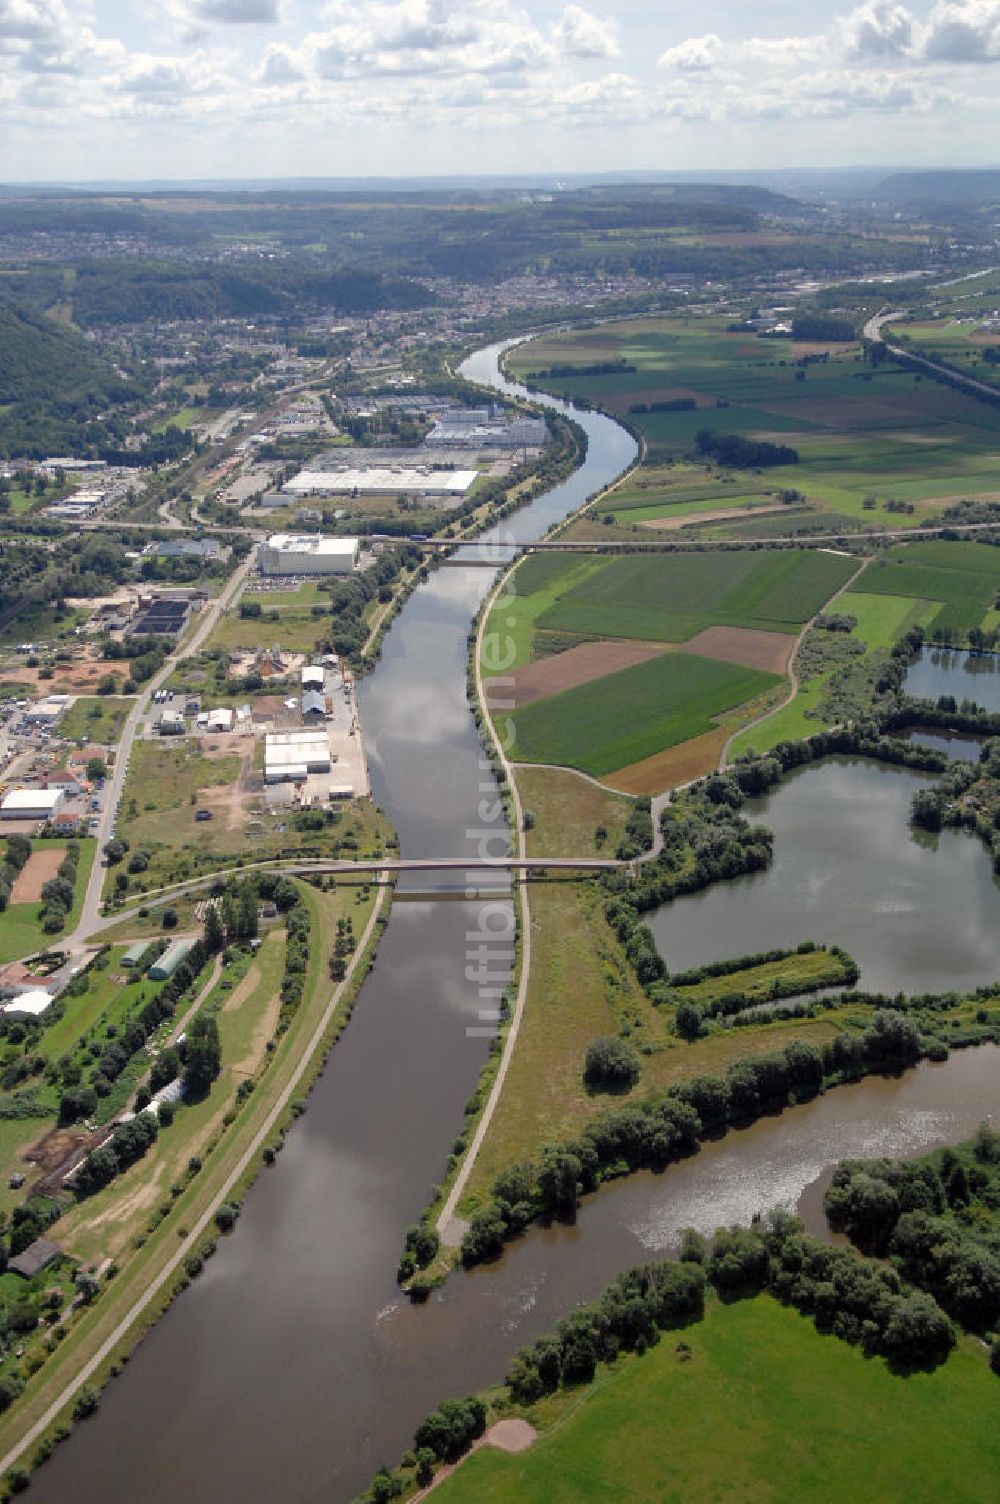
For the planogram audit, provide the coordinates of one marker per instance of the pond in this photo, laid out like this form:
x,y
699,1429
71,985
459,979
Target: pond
x,y
918,912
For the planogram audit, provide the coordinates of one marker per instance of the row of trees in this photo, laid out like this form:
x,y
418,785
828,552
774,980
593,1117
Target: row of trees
x,y
740,453
16,854
658,1131
859,1300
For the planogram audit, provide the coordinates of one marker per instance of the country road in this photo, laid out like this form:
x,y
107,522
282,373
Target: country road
x,y
91,908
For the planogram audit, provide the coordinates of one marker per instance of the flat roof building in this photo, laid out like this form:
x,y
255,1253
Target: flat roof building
x,y
307,553
220,719
420,478
46,712
313,676
29,1004
295,754
30,804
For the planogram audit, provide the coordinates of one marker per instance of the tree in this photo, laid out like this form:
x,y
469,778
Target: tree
x,y
204,1056
96,769
247,913
687,1020
611,1065
215,935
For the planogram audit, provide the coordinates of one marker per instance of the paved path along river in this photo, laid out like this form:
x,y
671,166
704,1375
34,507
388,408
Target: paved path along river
x,y
292,1368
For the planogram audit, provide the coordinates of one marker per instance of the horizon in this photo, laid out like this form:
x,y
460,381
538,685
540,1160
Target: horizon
x,y
408,88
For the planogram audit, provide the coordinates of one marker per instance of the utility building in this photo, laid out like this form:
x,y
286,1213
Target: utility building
x,y
168,963
291,755
31,804
307,553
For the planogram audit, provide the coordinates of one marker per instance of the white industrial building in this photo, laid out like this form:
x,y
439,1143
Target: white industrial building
x,y
31,804
219,720
313,676
29,1004
295,754
307,553
419,478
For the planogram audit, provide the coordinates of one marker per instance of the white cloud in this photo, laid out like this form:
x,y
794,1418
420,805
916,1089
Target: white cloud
x,y
877,31
236,11
966,32
696,55
580,34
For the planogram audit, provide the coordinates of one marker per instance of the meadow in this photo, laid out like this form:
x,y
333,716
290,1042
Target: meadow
x,y
756,1405
870,440
964,577
671,597
21,931
622,718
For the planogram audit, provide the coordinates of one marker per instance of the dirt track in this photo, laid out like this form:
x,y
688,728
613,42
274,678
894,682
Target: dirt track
x,y
43,863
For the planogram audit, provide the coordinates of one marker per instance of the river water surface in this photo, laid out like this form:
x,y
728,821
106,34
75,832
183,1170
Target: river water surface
x,y
292,1369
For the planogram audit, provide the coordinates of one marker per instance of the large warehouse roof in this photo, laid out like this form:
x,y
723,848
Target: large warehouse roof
x,y
289,754
379,478
27,801
312,543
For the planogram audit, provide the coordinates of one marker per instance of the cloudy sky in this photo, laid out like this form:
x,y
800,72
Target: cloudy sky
x,y
236,88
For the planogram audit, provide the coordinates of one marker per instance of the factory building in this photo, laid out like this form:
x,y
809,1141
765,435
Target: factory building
x,y
31,804
292,755
307,553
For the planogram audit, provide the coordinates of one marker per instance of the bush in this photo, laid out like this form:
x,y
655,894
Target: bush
x,y
611,1065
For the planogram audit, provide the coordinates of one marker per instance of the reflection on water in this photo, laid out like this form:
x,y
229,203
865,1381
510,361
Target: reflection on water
x,y
953,671
919,913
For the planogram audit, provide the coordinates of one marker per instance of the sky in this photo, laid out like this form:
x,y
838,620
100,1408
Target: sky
x,y
98,89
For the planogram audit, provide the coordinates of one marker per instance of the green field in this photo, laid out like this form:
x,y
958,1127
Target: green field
x,y
621,718
671,597
964,577
866,437
96,718
883,619
21,930
764,1411
536,585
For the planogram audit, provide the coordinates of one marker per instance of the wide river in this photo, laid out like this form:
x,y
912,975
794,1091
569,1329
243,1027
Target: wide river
x,y
292,1369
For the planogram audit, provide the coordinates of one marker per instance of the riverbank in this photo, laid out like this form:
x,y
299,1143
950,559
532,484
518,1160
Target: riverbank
x,y
96,1347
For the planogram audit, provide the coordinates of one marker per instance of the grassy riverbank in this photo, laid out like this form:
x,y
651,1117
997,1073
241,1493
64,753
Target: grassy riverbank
x,y
760,1407
155,1267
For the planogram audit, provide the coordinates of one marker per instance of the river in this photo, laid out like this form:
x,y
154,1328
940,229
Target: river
x,y
292,1369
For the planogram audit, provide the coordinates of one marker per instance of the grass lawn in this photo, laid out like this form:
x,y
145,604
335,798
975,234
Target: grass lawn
x,y
671,597
96,718
883,619
790,724
21,930
621,718
537,584
246,1003
964,577
581,987
765,1411
568,811
804,970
